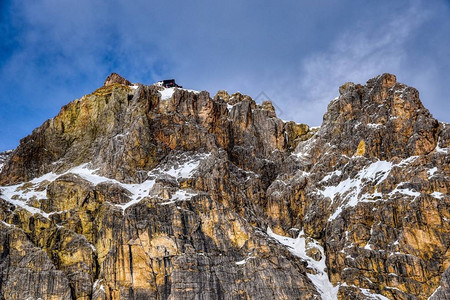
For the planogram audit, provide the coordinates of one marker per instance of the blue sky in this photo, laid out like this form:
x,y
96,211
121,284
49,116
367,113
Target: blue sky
x,y
297,52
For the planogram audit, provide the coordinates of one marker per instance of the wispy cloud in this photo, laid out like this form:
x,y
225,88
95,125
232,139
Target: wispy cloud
x,y
298,53
356,55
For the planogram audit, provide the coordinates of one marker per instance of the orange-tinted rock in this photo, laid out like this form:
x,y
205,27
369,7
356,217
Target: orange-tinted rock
x,y
384,228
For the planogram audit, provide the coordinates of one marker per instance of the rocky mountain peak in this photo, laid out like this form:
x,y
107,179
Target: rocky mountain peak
x,y
146,192
115,78
384,118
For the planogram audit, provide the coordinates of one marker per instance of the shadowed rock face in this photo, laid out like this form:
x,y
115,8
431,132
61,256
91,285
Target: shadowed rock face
x,y
141,192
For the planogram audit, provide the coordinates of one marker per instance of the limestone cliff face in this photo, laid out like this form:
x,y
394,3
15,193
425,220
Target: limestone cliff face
x,y
143,192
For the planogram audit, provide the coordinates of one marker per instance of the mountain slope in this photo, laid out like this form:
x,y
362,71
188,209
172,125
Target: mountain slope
x,y
142,192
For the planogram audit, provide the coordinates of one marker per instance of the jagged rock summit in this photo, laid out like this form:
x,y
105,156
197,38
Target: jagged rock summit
x,y
144,192
115,78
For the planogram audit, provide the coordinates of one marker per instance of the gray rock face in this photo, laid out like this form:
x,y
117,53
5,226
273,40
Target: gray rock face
x,y
26,270
443,291
141,192
3,157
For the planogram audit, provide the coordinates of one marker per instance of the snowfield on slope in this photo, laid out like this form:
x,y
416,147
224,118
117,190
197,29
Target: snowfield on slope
x,y
167,93
298,247
321,281
350,191
19,195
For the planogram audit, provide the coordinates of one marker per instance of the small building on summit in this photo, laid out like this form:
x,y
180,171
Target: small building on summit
x,y
168,83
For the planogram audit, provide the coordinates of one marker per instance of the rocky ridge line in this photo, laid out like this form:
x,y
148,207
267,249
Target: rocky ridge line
x,y
138,191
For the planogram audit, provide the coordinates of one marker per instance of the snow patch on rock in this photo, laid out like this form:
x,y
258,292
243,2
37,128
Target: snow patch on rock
x,y
298,247
441,150
349,190
437,195
331,175
432,171
21,194
244,261
184,170
180,195
167,93
435,291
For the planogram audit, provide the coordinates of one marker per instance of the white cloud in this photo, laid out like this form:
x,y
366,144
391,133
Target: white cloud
x,y
356,55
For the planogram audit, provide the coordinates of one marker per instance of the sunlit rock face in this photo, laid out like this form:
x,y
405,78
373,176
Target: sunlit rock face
x,y
144,192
